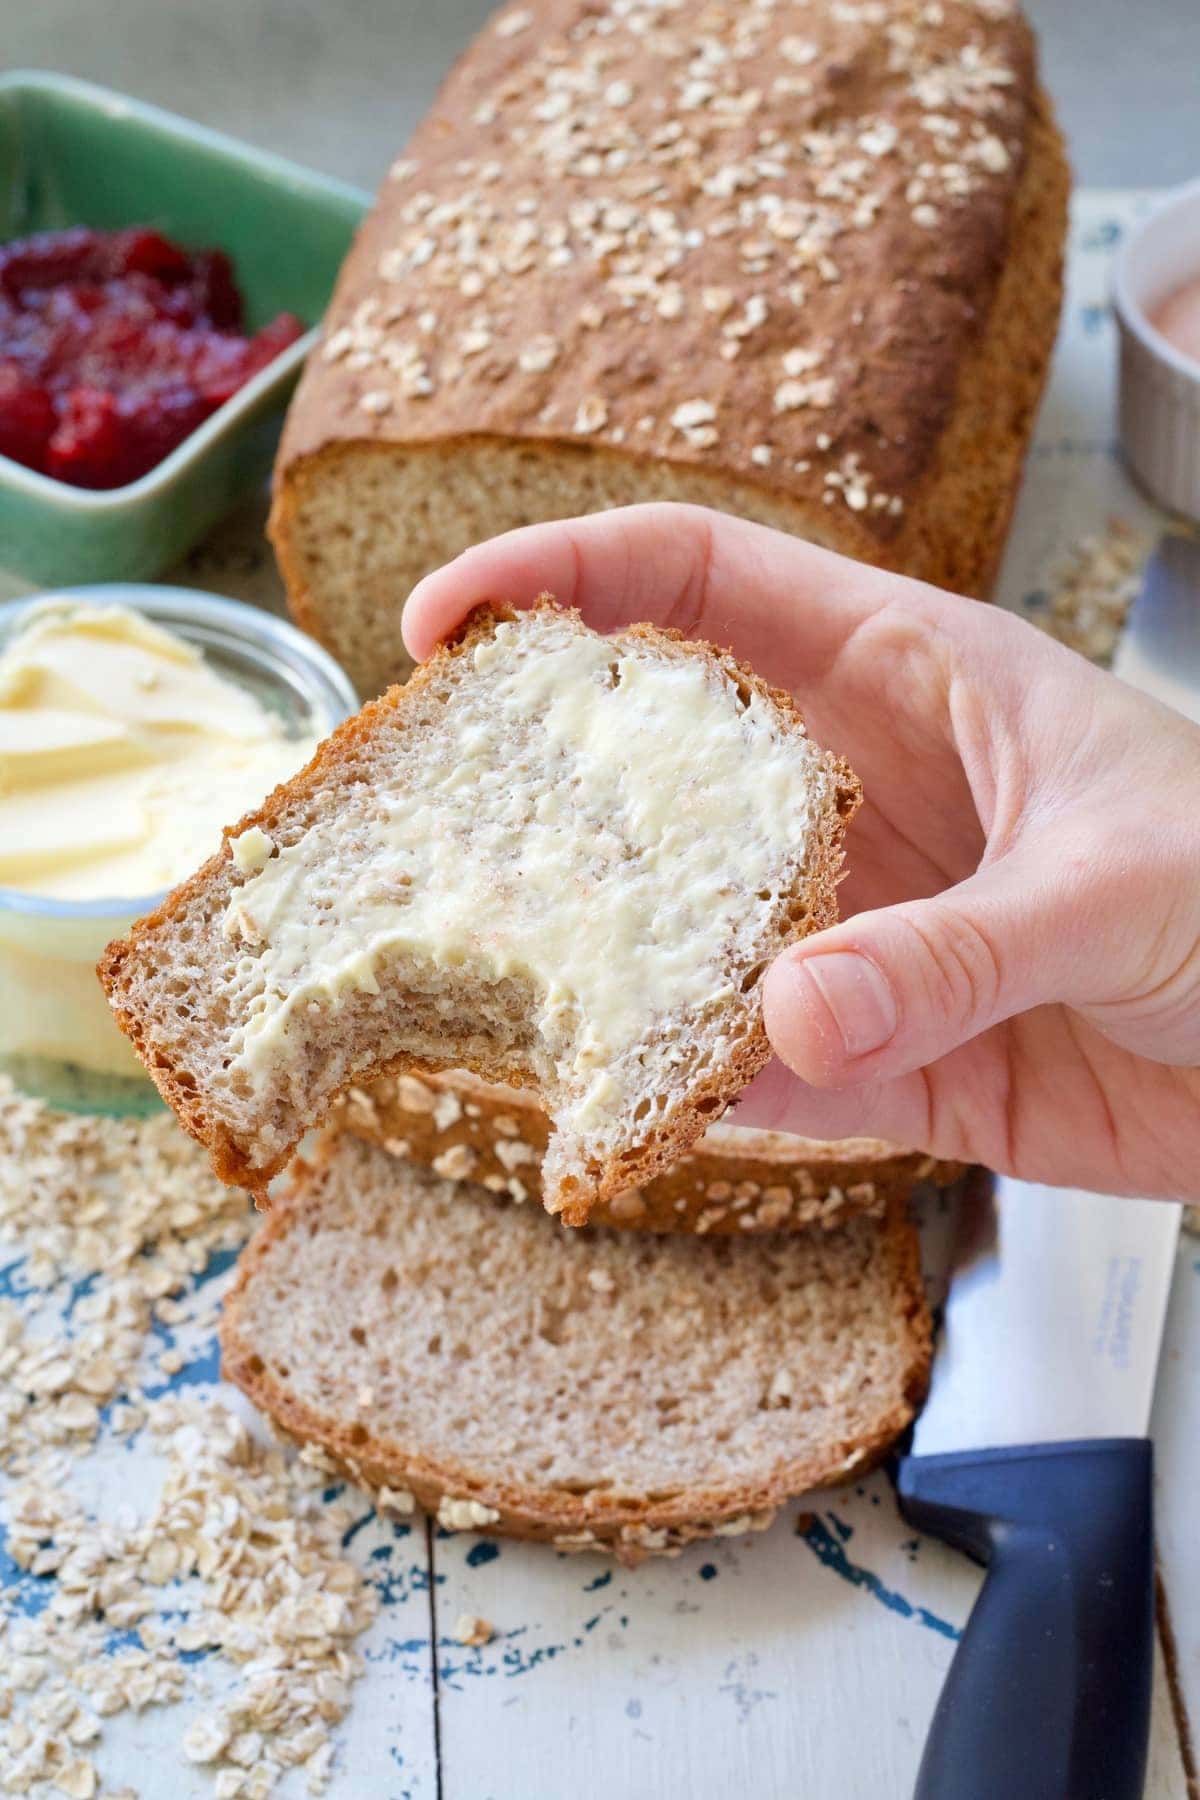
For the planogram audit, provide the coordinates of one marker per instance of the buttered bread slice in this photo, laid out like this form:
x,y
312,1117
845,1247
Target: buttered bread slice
x,y
555,859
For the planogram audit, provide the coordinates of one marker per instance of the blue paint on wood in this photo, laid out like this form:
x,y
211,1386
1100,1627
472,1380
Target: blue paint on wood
x,y
828,1550
26,1593
708,1571
204,1370
352,1531
219,1263
481,1553
589,1587
11,1285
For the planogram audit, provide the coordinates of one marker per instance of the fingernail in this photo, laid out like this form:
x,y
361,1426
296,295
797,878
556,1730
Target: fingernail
x,y
857,994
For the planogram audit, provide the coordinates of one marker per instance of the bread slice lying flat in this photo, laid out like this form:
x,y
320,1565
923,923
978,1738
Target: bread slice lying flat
x,y
601,1389
556,859
731,1181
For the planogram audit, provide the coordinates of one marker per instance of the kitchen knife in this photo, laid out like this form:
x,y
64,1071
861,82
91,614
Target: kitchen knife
x,y
1031,1453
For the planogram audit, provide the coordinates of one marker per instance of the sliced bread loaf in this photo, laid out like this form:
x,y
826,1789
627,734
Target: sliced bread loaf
x,y
733,1180
557,859
798,262
601,1390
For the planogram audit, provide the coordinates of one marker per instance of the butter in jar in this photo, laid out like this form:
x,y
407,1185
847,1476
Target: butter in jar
x,y
125,748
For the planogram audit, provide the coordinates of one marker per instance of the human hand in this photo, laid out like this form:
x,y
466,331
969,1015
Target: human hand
x,y
1016,978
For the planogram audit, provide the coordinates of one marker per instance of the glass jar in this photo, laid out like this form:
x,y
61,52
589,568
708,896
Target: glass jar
x,y
58,1038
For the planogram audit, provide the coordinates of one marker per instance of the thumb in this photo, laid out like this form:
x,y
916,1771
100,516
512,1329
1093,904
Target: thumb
x,y
893,990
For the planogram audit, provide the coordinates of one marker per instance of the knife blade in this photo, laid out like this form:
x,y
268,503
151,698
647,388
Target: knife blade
x,y
1031,1453
1053,1318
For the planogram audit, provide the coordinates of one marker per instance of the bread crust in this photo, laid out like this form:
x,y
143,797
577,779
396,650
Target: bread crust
x,y
284,815
728,1184
629,1528
937,340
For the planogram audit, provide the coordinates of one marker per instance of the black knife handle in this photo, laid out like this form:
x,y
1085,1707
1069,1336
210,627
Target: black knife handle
x,y
1048,1696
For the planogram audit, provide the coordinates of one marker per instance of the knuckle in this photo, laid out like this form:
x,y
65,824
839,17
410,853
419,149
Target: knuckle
x,y
960,963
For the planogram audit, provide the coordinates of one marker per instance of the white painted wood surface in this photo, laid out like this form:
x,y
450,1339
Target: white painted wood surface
x,y
804,1663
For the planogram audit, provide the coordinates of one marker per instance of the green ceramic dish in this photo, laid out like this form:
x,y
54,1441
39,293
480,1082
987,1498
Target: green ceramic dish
x,y
74,154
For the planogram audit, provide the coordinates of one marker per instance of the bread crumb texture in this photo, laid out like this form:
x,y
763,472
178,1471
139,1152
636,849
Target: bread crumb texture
x,y
555,857
598,1389
798,261
222,1586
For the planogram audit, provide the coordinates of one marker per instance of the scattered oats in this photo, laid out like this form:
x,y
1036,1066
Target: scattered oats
x,y
364,1398
601,1282
800,361
879,139
851,480
376,401
77,1779
817,391
925,215
691,413
456,1163
761,455
402,169
992,153
717,300
413,1095
538,354
591,415
395,1500
510,23
132,1208
510,1153
1090,588
473,1631
336,345
746,1522
447,1109
205,1738
464,1515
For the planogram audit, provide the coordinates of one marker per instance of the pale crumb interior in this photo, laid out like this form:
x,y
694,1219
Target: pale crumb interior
x,y
471,1333
369,523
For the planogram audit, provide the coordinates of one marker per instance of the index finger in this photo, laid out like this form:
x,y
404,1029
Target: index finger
x,y
764,595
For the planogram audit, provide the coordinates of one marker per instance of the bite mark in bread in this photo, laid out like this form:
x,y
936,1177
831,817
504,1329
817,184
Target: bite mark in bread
x,y
255,996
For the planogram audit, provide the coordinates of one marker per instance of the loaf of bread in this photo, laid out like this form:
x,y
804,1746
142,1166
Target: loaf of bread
x,y
732,1181
600,1390
554,858
802,263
